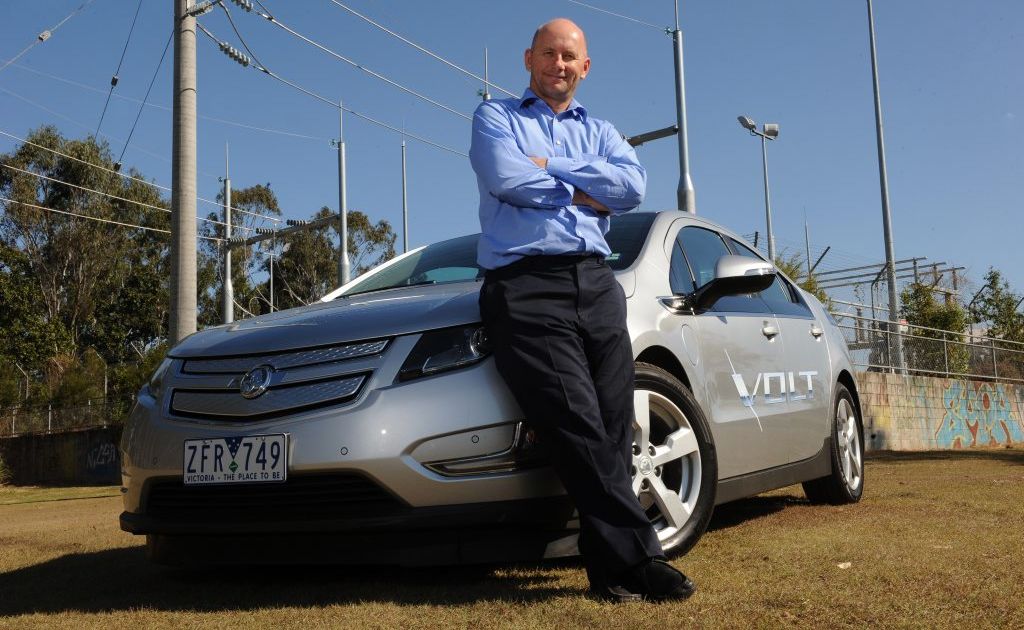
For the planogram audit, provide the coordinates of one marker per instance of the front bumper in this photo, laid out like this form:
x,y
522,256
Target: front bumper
x,y
386,437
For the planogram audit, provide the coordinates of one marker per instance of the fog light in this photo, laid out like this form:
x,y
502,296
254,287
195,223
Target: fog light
x,y
525,452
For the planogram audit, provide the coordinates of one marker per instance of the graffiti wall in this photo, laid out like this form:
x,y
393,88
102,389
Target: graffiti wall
x,y
83,457
919,412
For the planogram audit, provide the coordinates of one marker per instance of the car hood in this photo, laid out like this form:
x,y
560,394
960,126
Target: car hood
x,y
367,316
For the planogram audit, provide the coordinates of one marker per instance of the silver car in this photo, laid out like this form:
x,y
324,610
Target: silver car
x,y
373,427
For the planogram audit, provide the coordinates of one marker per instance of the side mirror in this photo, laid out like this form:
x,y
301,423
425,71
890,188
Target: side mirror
x,y
734,275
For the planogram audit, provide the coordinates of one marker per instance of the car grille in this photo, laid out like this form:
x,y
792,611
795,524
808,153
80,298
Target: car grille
x,y
302,380
301,497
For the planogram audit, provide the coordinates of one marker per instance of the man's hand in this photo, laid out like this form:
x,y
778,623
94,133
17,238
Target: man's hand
x,y
542,163
581,198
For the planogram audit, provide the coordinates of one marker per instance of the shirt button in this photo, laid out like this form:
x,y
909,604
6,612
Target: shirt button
x,y
558,142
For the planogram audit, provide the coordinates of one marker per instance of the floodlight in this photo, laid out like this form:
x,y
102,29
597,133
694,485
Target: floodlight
x,y
771,130
748,124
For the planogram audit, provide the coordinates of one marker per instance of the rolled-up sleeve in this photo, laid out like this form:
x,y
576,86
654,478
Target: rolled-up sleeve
x,y
614,178
505,170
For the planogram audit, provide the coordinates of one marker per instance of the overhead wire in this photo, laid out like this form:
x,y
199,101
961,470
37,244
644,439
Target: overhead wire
x,y
131,177
336,105
101,220
81,124
619,15
47,34
165,108
417,47
117,73
359,66
113,196
146,98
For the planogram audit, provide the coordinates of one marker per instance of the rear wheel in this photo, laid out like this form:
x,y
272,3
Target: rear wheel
x,y
675,468
845,484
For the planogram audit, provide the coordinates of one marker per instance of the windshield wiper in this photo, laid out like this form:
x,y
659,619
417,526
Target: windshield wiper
x,y
394,286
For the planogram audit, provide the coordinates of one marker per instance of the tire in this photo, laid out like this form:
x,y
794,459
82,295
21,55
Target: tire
x,y
845,484
675,466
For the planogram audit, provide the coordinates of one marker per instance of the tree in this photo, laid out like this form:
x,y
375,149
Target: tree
x,y
998,306
250,206
78,282
793,267
931,350
307,267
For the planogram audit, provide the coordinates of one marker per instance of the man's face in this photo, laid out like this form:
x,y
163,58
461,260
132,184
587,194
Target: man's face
x,y
557,62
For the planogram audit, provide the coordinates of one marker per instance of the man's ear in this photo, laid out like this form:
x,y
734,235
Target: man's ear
x,y
528,59
586,68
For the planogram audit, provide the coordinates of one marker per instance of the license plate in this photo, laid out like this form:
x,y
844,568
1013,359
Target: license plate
x,y
243,459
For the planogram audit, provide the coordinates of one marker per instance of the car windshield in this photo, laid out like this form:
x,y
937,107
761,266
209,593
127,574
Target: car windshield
x,y
454,260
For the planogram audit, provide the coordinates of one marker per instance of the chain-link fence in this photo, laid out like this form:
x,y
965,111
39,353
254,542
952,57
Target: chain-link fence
x,y
51,418
930,351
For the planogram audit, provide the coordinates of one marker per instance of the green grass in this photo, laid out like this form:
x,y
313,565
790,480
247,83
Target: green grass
x,y
936,542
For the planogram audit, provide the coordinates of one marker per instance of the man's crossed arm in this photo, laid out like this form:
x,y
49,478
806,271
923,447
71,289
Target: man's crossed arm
x,y
610,183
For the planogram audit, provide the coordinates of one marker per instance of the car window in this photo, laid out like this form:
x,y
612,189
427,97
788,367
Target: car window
x,y
454,260
625,237
702,249
781,296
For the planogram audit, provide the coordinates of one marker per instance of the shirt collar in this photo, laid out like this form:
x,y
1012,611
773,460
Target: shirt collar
x,y
575,109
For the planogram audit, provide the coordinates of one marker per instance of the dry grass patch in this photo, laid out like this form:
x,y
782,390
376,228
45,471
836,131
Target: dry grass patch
x,y
935,542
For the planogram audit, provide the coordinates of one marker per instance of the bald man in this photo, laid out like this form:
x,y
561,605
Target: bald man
x,y
551,177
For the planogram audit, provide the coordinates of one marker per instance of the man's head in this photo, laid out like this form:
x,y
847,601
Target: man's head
x,y
557,60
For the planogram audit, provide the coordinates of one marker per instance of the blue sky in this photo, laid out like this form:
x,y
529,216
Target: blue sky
x,y
950,79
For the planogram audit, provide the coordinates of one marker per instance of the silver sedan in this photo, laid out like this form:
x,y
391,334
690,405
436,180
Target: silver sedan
x,y
373,426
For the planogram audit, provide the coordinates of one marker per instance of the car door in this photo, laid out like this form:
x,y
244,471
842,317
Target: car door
x,y
805,365
739,352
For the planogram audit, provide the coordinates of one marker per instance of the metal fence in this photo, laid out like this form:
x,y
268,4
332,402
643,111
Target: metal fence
x,y
930,351
50,418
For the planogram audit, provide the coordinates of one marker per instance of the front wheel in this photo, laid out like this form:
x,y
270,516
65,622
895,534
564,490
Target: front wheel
x,y
845,484
674,466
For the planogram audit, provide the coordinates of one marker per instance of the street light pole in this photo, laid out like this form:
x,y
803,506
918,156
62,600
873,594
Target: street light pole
x,y
883,179
344,273
767,200
769,131
685,193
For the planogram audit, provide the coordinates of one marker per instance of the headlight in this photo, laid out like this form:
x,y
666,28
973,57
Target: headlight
x,y
442,350
156,381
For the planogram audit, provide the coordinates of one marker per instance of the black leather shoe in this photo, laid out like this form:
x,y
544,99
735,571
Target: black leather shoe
x,y
656,580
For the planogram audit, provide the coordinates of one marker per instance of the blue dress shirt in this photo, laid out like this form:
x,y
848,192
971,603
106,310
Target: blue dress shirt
x,y
528,211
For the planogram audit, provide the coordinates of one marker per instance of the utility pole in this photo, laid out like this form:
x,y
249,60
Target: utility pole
x,y
890,254
183,177
486,94
405,206
229,289
807,245
344,273
685,193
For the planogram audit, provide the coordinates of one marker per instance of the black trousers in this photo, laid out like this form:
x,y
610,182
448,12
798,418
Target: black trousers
x,y
558,328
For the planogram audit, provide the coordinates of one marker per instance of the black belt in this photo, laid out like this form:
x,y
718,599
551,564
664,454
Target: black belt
x,y
535,263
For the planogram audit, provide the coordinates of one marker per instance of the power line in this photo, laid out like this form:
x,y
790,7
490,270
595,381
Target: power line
x,y
101,220
144,99
45,35
619,15
335,105
112,196
168,109
81,124
418,47
114,79
358,66
136,179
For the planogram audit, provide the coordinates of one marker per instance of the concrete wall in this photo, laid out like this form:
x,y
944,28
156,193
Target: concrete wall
x,y
912,413
82,458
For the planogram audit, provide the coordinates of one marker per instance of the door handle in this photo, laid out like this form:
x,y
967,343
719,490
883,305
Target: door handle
x,y
770,331
816,331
